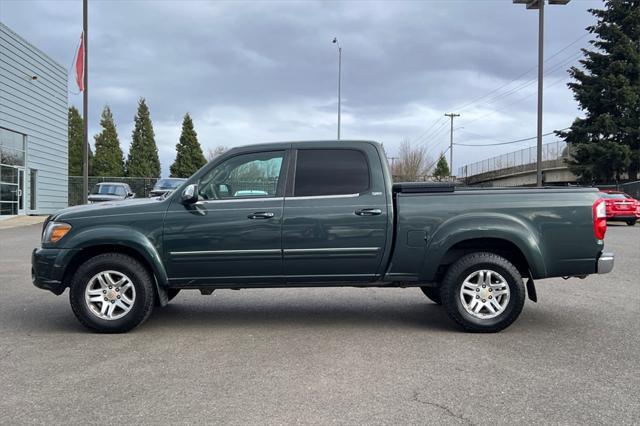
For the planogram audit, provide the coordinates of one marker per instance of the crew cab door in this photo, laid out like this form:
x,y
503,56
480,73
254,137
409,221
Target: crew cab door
x,y
233,233
335,215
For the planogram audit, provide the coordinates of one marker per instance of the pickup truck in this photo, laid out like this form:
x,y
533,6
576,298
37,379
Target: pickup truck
x,y
312,214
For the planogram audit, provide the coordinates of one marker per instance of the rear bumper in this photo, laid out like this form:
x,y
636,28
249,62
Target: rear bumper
x,y
622,217
605,263
47,268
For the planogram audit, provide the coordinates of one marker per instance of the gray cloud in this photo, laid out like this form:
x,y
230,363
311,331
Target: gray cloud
x,y
260,71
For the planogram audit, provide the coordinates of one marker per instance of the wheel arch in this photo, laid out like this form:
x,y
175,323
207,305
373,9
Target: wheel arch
x,y
503,235
119,240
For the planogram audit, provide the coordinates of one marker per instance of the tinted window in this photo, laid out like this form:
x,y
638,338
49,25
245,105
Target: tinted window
x,y
243,176
330,172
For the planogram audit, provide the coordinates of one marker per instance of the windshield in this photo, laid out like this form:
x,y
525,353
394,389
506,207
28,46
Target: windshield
x,y
102,189
168,183
613,195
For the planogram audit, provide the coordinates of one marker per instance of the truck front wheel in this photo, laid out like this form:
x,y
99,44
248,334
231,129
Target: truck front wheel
x,y
111,293
483,292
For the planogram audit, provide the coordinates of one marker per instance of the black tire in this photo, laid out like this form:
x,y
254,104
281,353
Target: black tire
x,y
171,293
465,266
142,283
433,293
631,222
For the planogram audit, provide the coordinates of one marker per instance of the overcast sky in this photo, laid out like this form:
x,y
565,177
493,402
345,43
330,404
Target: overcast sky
x,y
251,72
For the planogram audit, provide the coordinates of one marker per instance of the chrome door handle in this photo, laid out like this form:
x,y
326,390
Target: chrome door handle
x,y
261,215
368,212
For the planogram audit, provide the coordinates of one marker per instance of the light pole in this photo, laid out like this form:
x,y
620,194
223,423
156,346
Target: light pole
x,y
335,41
539,4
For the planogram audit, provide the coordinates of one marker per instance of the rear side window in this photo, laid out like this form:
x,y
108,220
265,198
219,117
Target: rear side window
x,y
330,172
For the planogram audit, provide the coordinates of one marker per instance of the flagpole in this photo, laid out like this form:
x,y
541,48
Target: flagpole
x,y
85,107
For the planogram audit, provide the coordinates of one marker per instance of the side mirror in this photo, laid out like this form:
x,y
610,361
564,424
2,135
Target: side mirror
x,y
131,195
190,194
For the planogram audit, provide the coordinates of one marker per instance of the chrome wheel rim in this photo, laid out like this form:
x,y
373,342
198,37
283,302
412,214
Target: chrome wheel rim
x,y
110,295
485,294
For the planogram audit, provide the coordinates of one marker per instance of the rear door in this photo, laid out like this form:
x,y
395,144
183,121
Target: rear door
x,y
335,215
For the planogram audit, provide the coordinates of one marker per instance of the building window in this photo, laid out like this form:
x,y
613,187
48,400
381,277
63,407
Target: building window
x,y
33,186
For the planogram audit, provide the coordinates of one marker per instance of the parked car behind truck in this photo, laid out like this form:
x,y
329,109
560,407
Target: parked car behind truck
x,y
110,191
621,207
329,216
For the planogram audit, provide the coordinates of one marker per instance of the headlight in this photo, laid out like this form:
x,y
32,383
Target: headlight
x,y
55,231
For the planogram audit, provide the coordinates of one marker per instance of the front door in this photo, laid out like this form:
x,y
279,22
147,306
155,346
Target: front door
x,y
233,233
336,217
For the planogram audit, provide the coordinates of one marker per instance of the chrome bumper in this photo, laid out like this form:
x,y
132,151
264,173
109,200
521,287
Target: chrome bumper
x,y
605,263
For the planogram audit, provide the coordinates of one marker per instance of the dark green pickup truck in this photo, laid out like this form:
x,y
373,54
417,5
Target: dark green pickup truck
x,y
314,214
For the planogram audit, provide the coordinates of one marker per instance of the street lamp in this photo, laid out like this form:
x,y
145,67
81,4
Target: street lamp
x,y
539,4
336,42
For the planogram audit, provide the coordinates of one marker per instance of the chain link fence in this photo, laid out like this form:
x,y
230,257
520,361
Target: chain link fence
x,y
140,186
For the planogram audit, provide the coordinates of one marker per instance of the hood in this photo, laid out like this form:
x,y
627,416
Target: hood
x,y
104,197
107,208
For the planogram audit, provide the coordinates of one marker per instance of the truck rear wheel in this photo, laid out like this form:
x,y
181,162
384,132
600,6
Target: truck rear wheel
x,y
433,293
483,292
111,293
631,222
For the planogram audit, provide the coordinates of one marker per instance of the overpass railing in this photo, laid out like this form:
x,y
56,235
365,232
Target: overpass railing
x,y
523,160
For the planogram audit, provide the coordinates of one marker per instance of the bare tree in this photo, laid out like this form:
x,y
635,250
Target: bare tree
x,y
412,162
215,152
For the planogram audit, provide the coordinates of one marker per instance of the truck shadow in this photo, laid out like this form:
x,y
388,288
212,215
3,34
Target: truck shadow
x,y
286,316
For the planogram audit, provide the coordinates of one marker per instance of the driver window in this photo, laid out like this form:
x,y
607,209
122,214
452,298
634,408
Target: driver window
x,y
252,175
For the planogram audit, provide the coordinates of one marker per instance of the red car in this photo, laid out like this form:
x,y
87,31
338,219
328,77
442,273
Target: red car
x,y
621,207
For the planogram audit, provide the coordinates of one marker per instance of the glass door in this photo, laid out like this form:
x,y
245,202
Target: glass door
x,y
20,191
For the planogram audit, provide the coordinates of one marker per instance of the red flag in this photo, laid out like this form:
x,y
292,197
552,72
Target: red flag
x,y
80,64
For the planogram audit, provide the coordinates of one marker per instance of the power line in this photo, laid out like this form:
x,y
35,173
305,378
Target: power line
x,y
511,142
464,106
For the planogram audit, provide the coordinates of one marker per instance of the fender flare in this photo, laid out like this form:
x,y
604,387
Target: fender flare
x,y
128,238
492,225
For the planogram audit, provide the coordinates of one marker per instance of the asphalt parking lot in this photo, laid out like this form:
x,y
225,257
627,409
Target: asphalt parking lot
x,y
321,356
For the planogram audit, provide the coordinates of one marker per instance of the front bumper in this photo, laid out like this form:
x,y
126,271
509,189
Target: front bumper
x,y
605,263
47,268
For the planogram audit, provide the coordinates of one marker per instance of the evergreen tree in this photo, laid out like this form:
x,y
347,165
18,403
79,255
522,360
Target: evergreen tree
x,y
75,136
143,158
189,156
442,168
608,91
108,160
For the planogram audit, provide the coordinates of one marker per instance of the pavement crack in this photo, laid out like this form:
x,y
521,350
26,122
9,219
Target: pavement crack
x,y
447,410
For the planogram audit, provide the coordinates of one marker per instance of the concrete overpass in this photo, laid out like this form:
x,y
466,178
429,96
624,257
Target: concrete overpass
x,y
518,168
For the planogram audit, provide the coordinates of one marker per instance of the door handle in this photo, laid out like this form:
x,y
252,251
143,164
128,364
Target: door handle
x,y
368,212
261,215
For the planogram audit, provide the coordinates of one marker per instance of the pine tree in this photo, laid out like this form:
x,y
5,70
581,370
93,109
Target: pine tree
x,y
143,158
442,168
108,160
608,91
189,156
75,135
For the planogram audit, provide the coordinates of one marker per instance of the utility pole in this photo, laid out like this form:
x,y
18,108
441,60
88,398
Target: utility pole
x,y
393,163
335,40
85,106
451,116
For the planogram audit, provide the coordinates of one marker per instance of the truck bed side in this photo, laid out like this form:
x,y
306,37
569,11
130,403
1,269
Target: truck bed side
x,y
552,229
